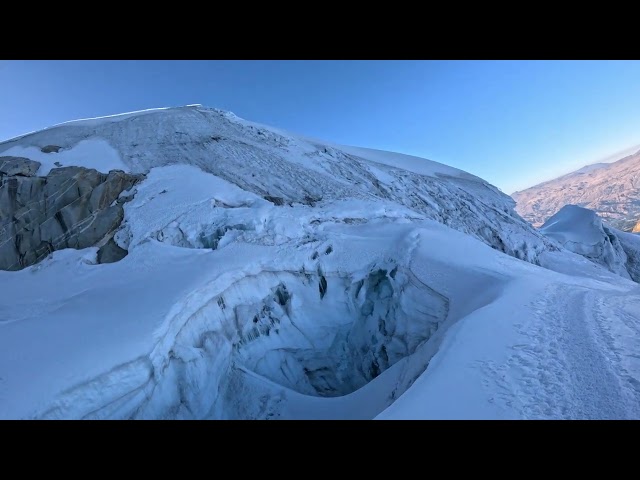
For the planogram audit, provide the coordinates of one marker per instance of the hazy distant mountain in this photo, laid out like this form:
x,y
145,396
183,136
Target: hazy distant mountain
x,y
609,189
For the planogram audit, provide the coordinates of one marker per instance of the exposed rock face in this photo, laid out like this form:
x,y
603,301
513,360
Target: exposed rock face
x,y
72,207
18,166
50,149
110,252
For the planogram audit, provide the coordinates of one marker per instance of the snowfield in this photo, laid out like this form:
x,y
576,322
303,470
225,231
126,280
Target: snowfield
x,y
270,276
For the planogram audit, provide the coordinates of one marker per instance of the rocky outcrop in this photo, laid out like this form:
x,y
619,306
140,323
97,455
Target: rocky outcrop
x,y
18,166
50,149
110,252
72,207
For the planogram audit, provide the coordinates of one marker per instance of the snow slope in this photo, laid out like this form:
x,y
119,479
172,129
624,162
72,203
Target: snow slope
x,y
271,277
609,189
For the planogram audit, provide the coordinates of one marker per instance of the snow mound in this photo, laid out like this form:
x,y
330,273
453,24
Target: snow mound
x,y
575,225
581,231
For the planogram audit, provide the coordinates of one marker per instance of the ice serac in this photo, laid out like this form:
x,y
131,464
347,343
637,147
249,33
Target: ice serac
x,y
71,207
581,231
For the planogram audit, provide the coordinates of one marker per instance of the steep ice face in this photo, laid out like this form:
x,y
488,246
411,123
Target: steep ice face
x,y
287,169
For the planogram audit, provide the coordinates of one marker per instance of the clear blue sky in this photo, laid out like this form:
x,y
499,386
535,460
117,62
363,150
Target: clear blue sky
x,y
514,123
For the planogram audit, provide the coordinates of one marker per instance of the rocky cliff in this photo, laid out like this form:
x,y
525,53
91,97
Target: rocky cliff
x,y
71,207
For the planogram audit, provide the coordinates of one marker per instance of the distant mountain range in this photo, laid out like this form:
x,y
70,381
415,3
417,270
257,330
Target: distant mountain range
x,y
612,190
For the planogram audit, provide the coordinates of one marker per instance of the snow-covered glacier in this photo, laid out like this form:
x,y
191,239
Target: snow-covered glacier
x,y
267,275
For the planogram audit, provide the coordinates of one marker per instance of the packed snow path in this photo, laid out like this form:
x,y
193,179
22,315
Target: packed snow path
x,y
568,366
574,356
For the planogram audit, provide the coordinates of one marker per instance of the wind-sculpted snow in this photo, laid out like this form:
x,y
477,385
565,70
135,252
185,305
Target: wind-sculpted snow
x,y
581,231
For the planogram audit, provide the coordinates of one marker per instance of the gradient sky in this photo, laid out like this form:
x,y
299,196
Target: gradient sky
x,y
513,123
